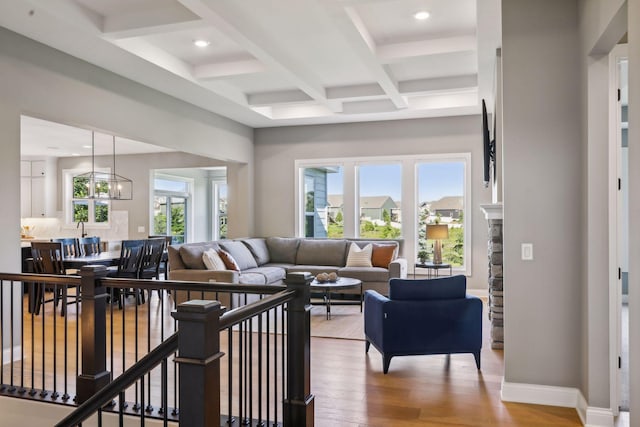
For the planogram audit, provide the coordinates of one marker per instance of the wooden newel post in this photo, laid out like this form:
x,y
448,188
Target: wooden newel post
x,y
199,359
298,405
93,326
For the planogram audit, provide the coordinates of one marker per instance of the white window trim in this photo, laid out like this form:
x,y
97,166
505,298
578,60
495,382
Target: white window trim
x,y
67,198
409,198
188,196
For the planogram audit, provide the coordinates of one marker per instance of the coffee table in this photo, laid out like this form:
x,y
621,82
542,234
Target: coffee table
x,y
328,287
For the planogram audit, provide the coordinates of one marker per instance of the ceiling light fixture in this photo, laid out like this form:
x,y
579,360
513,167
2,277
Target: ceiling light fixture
x,y
102,185
421,15
201,43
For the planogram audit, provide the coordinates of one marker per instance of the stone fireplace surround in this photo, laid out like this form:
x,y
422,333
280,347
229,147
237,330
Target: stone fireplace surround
x,y
494,215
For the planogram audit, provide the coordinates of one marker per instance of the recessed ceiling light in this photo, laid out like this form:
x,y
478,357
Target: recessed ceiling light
x,y
86,146
201,43
421,15
75,154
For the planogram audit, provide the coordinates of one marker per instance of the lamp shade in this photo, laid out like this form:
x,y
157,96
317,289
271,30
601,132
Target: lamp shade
x,y
437,231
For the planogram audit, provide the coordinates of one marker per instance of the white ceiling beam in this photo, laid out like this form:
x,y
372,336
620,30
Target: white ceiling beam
x,y
439,84
74,13
489,39
152,20
395,52
251,36
218,70
351,26
161,58
117,28
372,90
279,97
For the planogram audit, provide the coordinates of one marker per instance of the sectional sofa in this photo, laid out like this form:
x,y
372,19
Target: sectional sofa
x,y
266,261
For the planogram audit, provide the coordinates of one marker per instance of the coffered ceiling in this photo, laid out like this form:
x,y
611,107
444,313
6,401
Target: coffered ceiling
x,y
284,62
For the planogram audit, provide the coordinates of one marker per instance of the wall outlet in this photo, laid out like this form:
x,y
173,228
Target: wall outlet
x,y
527,251
141,229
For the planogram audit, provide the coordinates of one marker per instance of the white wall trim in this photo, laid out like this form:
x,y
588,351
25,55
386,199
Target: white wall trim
x,y
540,394
599,417
567,397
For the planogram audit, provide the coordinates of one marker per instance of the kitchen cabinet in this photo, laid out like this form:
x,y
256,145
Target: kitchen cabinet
x,y
35,200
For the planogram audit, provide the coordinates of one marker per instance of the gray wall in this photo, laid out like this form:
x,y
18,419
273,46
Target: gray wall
x,y
634,208
542,192
276,150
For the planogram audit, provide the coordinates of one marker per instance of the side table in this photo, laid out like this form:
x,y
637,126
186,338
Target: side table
x,y
432,269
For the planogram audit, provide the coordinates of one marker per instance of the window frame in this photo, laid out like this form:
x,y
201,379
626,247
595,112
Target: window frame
x,y
68,200
408,202
187,195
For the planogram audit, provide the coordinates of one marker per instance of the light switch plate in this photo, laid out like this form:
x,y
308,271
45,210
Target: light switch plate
x,y
141,229
527,251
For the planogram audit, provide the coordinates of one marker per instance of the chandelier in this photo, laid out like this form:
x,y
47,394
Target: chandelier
x,y
102,185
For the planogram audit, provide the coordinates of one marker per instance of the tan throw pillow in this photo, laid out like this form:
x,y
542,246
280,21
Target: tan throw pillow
x,y
228,260
212,260
359,257
382,254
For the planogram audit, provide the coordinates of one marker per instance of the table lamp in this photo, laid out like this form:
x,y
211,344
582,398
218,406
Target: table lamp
x,y
437,232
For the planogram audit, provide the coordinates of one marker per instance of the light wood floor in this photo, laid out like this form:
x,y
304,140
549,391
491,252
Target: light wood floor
x,y
350,389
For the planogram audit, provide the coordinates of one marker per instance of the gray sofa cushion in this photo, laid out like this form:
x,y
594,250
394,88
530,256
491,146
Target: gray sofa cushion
x,y
322,252
365,274
240,253
252,279
313,269
271,274
258,248
192,255
282,249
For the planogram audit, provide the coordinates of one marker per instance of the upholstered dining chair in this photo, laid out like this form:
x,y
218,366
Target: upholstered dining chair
x,y
432,316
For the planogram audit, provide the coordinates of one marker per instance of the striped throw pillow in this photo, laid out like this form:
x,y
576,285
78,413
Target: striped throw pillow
x,y
359,257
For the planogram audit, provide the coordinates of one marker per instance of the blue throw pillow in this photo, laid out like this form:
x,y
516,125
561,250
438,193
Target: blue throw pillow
x,y
428,289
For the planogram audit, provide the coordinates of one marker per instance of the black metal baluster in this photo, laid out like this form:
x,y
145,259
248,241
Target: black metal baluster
x,y
136,405
78,335
121,406
250,376
142,395
12,388
43,308
284,354
260,423
275,367
240,373
165,395
22,389
149,407
268,362
65,395
230,418
32,392
54,394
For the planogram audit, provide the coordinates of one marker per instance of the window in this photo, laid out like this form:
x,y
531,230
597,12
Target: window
x,y
441,200
76,207
321,203
388,198
170,207
220,210
380,186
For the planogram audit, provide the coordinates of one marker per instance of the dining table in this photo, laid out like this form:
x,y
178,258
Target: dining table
x,y
108,258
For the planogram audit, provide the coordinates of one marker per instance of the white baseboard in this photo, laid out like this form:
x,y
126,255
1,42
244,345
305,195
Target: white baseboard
x,y
568,397
599,417
6,354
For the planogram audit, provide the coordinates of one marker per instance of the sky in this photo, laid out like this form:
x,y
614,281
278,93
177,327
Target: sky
x,y
435,180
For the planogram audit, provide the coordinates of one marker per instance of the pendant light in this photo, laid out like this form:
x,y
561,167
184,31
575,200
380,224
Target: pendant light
x,y
102,185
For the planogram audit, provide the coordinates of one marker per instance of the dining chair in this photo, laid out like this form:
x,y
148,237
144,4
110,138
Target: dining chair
x,y
131,253
69,246
154,251
48,258
89,246
164,262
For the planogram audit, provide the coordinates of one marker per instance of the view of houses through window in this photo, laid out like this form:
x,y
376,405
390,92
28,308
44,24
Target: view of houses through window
x,y
438,185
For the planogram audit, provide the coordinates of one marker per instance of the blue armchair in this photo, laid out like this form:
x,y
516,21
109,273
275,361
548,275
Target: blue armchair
x,y
433,316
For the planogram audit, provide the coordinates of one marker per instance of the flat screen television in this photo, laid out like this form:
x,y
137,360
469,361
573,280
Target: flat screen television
x,y
489,146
